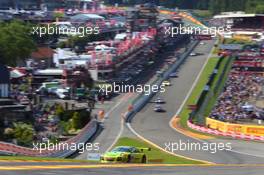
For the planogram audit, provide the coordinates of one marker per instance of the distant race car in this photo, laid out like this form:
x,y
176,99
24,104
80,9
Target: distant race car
x,y
125,154
193,54
173,75
159,101
166,83
158,108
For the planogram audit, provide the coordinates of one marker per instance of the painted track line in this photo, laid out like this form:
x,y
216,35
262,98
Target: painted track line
x,y
121,127
119,134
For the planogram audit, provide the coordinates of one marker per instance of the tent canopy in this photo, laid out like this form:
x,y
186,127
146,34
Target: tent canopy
x,y
84,17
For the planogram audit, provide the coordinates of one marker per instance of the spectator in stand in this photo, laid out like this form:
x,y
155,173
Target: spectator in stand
x,y
238,91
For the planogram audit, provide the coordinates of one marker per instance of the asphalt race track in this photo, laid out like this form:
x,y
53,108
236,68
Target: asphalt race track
x,y
113,118
114,110
245,157
155,126
132,170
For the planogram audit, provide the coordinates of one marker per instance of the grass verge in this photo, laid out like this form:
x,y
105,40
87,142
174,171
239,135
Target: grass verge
x,y
202,13
184,114
155,155
218,87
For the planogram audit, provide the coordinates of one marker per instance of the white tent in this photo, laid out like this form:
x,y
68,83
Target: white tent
x,y
16,74
120,36
84,17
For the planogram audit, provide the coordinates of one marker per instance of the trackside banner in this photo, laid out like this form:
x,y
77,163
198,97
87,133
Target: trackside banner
x,y
235,128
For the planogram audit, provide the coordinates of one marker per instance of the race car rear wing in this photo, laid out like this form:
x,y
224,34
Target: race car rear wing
x,y
145,149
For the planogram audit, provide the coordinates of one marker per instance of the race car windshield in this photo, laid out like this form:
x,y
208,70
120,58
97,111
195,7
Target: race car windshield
x,y
121,149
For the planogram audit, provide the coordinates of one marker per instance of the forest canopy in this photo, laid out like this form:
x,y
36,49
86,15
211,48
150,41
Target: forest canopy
x,y
215,6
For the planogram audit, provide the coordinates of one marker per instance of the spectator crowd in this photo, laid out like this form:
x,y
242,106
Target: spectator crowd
x,y
233,103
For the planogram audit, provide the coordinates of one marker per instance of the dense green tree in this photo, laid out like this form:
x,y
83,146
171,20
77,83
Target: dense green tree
x,y
23,133
202,4
16,43
59,111
76,121
250,6
260,9
45,37
64,127
84,117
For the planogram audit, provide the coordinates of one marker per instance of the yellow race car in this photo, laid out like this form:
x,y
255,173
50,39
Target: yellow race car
x,y
125,154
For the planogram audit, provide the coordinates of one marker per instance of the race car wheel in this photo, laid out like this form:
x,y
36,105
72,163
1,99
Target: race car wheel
x,y
144,159
129,159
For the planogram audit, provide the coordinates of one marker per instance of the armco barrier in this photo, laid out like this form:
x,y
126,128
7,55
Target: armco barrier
x,y
144,99
86,133
225,134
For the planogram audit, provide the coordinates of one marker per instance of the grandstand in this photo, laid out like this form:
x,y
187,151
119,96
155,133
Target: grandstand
x,y
242,24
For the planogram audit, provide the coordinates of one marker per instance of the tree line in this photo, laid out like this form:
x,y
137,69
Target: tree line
x,y
215,6
249,6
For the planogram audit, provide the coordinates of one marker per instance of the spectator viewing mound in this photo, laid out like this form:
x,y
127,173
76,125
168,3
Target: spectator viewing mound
x,y
242,98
